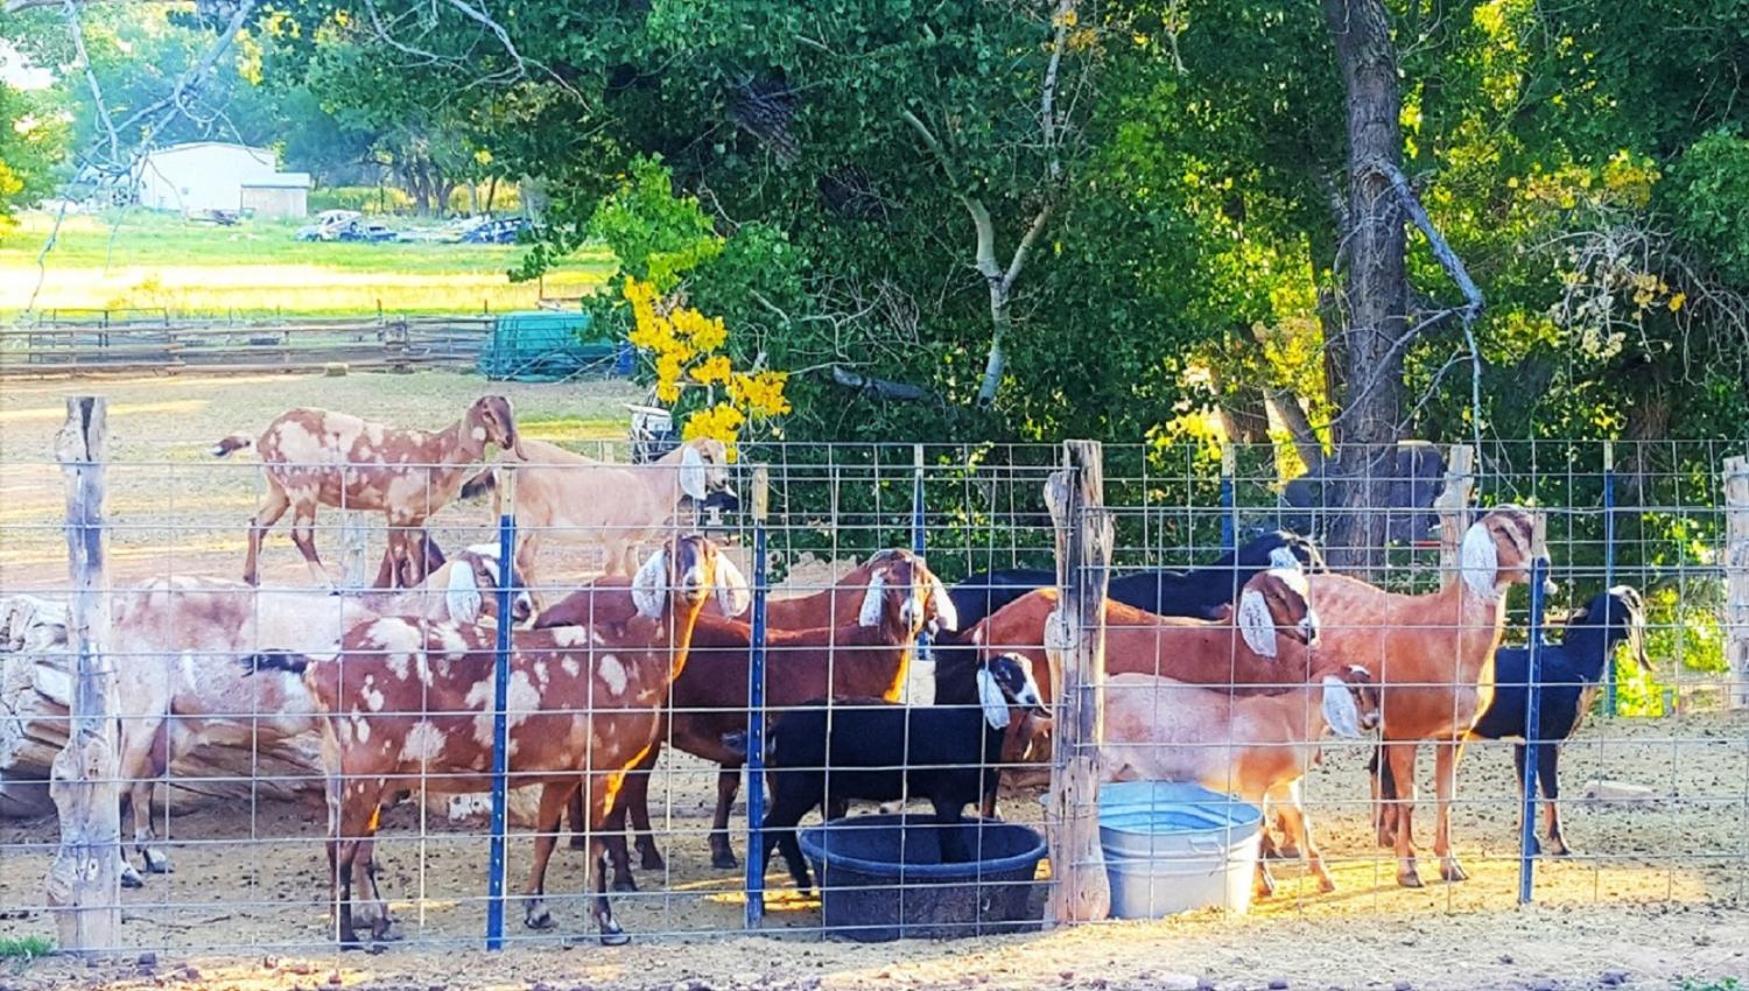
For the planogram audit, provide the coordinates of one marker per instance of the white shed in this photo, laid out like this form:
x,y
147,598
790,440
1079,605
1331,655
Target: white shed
x,y
209,175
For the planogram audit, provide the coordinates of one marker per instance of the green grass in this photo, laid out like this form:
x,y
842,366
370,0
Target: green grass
x,y
1723,984
25,948
147,260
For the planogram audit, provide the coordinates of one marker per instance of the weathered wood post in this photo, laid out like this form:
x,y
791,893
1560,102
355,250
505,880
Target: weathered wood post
x,y
1454,507
1075,641
353,549
83,886
1737,581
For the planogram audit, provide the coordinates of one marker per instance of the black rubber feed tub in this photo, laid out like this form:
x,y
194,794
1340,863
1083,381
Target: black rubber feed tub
x,y
881,878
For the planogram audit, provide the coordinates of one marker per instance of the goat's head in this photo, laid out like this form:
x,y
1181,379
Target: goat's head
x,y
685,571
1280,549
904,594
1004,681
1499,549
1275,603
491,420
704,468
1621,614
471,582
1351,702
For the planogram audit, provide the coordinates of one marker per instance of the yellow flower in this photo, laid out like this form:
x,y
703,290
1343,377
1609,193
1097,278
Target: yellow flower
x,y
714,369
1677,300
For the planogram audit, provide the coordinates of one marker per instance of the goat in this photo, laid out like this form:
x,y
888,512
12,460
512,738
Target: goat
x,y
840,603
1257,747
314,457
869,656
408,707
1201,593
178,687
827,753
1433,656
561,496
1571,672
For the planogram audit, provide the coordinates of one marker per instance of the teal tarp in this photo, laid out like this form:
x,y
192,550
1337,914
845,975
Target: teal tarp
x,y
548,345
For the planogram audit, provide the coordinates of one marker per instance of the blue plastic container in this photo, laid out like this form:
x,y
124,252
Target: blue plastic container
x,y
1173,847
881,878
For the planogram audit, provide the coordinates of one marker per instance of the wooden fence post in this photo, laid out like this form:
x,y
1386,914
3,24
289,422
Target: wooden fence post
x,y
1075,641
1737,581
1454,507
354,544
83,886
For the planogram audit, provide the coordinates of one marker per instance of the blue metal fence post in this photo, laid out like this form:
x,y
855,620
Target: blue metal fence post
x,y
756,706
500,718
917,504
1229,505
1539,574
1609,705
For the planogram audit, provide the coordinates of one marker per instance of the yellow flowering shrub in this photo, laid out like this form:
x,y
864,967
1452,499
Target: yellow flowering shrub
x,y
686,349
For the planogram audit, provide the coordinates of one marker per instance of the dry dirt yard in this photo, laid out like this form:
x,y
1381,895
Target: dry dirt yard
x,y
1656,898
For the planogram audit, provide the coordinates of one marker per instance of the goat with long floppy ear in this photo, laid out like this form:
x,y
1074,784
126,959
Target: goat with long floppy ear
x,y
734,596
694,476
1480,560
1255,623
873,600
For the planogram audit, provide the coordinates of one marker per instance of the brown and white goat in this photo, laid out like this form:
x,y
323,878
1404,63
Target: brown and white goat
x,y
566,497
1433,656
314,457
1257,747
869,657
177,641
408,705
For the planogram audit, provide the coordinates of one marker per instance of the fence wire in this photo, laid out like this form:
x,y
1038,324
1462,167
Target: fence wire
x,y
1654,783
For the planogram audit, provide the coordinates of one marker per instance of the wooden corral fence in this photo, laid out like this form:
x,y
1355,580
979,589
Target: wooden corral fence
x,y
144,341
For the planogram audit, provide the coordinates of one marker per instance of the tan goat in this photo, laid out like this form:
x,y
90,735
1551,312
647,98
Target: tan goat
x,y
313,457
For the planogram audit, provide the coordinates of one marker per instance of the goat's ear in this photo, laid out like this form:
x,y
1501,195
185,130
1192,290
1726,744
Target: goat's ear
x,y
1340,712
692,473
1480,560
462,594
733,595
947,617
648,593
872,600
1283,557
991,698
1256,624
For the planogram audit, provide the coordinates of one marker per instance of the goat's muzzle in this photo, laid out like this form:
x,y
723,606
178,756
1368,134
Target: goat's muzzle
x,y
1550,587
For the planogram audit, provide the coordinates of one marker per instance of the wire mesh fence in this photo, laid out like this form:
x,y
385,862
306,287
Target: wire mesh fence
x,y
264,721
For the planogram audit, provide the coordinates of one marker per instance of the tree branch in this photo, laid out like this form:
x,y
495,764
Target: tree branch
x,y
885,388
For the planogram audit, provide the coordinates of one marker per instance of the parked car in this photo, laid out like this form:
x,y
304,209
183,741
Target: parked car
x,y
369,233
328,226
504,230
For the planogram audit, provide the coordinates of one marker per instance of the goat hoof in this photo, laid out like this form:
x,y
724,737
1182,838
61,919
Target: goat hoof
x,y
652,861
1326,885
579,842
1286,852
1451,870
1410,878
131,878
613,935
1559,848
724,860
157,863
538,919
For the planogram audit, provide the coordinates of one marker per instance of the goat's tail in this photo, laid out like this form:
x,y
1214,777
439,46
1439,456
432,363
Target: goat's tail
x,y
276,660
232,444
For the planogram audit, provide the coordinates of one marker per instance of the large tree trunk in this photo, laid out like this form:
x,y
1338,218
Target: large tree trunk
x,y
1376,298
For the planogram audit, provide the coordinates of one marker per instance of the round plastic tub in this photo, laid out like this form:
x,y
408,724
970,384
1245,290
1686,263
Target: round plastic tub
x,y
881,877
1173,847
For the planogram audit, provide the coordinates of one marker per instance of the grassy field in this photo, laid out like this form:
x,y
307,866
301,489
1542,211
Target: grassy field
x,y
141,259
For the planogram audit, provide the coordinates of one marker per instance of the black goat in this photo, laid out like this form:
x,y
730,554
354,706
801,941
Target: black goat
x,y
881,751
1571,673
1201,593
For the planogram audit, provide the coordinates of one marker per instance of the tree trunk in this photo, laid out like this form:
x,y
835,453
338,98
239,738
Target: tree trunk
x,y
1376,295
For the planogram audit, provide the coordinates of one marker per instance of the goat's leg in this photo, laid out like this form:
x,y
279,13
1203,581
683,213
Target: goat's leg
x,y
1384,794
1518,766
613,837
141,739
360,816
635,796
274,503
1402,758
1445,758
527,549
1296,831
1548,762
553,799
304,536
600,787
950,837
579,827
728,783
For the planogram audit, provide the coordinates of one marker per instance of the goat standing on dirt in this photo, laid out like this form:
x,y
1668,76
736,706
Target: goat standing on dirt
x,y
561,496
1433,656
178,685
313,457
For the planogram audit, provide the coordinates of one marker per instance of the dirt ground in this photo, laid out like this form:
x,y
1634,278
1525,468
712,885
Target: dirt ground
x,y
1656,898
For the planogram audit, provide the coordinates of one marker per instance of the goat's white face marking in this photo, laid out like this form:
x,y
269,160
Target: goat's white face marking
x,y
647,592
873,600
733,595
693,478
1255,623
1480,560
1283,558
479,434
1340,712
613,674
991,698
